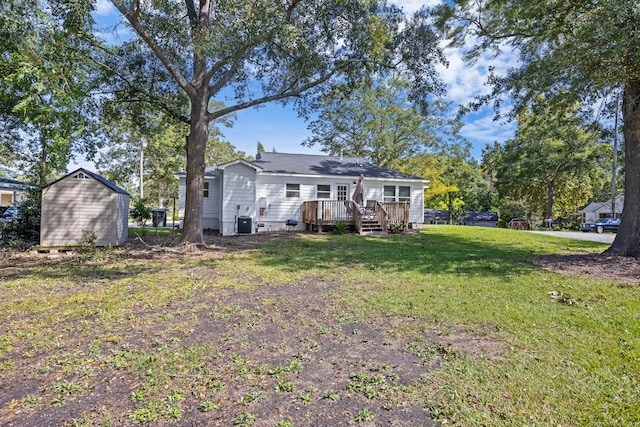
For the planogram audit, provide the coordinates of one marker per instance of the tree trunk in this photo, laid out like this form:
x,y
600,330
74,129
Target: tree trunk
x,y
44,157
550,185
196,145
627,241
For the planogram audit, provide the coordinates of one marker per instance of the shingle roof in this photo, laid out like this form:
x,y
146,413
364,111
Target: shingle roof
x,y
312,164
11,184
98,178
606,206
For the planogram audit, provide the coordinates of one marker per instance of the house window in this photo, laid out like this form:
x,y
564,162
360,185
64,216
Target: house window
x,y
81,176
403,193
342,192
293,191
323,191
205,193
389,193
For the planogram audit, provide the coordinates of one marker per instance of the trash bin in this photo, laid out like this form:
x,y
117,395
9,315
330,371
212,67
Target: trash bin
x,y
159,217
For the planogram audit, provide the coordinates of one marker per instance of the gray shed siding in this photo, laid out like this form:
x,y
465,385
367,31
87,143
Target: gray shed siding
x,y
71,206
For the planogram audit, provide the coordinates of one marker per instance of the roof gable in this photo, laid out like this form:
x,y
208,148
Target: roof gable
x,y
81,171
251,165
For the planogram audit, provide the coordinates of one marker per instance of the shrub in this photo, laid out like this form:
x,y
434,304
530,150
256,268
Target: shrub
x,y
340,228
25,229
140,212
396,228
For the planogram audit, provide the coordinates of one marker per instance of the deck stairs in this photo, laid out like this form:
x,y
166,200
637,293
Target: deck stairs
x,y
371,225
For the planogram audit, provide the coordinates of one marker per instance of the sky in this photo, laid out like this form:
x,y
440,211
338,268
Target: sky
x,y
280,128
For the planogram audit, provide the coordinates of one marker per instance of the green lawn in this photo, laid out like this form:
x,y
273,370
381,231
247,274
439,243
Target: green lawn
x,y
114,314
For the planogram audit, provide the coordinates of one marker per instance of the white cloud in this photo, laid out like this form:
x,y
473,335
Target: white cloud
x,y
411,6
481,129
104,8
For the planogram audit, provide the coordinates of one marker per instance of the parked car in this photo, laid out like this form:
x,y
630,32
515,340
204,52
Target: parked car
x,y
601,225
9,214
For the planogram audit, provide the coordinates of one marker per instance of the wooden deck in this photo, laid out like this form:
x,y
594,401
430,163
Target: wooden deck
x,y
327,213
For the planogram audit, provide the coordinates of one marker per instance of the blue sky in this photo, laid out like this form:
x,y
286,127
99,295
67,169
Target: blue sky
x,y
280,128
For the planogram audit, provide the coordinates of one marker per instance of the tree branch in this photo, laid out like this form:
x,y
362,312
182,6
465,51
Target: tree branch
x,y
149,96
132,17
291,8
282,95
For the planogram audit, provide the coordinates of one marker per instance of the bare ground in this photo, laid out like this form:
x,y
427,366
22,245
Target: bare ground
x,y
278,352
598,266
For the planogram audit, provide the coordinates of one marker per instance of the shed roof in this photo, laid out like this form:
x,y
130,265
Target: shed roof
x,y
95,176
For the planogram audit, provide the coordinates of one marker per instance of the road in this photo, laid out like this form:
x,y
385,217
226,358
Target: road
x,y
594,237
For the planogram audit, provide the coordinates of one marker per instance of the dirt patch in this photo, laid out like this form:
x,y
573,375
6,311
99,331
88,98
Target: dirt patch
x,y
266,356
271,354
598,266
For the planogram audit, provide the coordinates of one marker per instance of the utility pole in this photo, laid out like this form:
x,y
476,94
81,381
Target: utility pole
x,y
615,160
142,170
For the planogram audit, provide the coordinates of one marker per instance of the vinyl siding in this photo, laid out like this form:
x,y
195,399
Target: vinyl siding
x,y
210,205
241,185
71,206
238,188
122,219
280,208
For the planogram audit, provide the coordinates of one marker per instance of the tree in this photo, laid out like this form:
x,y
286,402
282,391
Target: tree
x,y
455,179
550,159
46,83
252,52
378,122
153,144
579,50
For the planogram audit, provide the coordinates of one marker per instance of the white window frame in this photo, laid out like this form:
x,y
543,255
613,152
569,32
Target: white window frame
x,y
396,193
323,194
291,193
205,189
387,198
342,196
402,198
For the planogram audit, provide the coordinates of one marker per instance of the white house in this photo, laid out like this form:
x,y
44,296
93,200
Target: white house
x,y
11,191
248,197
596,210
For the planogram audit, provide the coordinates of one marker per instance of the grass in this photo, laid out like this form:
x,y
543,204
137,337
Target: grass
x,y
150,230
571,344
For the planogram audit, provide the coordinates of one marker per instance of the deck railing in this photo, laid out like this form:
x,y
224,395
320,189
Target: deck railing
x,y
331,212
327,212
398,212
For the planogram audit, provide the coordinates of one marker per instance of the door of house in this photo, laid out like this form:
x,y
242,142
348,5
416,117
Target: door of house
x,y
342,191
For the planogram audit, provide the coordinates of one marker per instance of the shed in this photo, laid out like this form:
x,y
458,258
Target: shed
x,y
83,202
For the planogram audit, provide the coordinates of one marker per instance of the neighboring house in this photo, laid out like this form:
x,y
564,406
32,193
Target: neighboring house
x,y
11,191
596,210
309,190
82,203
